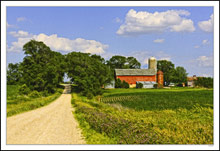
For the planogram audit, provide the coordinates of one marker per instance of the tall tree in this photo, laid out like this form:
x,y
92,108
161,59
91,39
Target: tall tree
x,y
42,69
88,72
167,67
180,75
13,73
121,62
132,63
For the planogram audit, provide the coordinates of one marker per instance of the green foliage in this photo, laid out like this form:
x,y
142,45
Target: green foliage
x,y
42,69
168,69
121,62
24,89
120,84
13,73
18,103
161,100
170,73
87,72
170,125
206,82
180,75
139,85
34,94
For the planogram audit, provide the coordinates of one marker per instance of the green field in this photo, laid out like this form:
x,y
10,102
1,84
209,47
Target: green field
x,y
17,103
147,116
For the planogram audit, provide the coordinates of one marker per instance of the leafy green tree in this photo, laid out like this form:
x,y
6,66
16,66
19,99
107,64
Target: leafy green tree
x,y
167,67
42,69
206,82
13,73
180,75
88,72
121,62
132,63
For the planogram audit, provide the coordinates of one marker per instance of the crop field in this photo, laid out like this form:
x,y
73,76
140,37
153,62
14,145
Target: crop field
x,y
17,103
140,116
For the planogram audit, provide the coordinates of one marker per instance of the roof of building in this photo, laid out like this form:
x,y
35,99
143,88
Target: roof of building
x,y
131,72
191,78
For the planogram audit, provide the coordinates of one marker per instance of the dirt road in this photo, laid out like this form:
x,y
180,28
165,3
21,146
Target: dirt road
x,y
52,124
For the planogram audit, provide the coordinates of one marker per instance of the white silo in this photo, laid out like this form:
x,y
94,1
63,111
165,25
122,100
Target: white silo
x,y
152,63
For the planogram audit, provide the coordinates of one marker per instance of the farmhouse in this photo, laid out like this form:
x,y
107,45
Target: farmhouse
x,y
191,81
148,77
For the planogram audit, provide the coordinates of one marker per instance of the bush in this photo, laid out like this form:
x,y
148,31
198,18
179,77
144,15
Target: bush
x,y
89,95
139,85
24,89
119,84
155,85
34,94
206,82
125,84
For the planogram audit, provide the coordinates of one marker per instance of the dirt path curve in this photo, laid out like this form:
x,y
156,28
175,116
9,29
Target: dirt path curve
x,y
52,124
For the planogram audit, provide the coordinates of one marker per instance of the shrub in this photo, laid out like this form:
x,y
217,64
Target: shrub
x,y
119,84
206,82
139,85
89,95
125,84
24,89
155,85
34,94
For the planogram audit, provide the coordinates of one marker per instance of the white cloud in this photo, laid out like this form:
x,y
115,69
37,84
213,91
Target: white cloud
x,y
185,26
159,40
196,46
208,25
20,33
59,43
9,25
205,61
143,22
19,19
205,42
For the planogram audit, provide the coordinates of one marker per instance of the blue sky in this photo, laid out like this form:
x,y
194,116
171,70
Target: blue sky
x,y
183,35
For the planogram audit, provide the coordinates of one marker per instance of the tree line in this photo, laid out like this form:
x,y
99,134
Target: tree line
x,y
43,70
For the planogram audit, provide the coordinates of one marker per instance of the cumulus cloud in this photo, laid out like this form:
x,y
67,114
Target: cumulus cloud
x,y
208,25
58,43
20,33
159,40
205,61
143,22
19,19
205,42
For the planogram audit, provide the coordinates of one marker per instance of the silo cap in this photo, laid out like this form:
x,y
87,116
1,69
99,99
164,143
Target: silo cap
x,y
152,58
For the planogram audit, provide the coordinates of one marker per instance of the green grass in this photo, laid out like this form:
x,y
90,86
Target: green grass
x,y
17,103
176,116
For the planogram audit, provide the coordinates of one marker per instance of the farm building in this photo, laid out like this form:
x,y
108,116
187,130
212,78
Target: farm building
x,y
190,81
148,77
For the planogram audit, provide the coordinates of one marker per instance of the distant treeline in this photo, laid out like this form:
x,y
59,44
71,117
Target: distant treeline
x,y
206,82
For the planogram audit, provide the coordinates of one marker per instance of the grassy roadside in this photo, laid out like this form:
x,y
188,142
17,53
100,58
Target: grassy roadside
x,y
122,123
20,103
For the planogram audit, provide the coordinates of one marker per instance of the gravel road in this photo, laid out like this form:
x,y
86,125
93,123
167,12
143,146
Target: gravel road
x,y
52,124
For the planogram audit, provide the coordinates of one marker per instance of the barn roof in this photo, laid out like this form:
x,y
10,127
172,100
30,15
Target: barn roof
x,y
131,72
